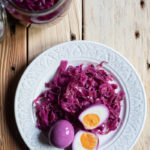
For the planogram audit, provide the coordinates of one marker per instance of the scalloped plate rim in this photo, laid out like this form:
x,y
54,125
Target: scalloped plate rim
x,y
90,42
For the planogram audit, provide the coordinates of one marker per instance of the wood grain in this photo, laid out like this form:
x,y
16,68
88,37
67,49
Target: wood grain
x,y
125,26
12,64
13,60
42,38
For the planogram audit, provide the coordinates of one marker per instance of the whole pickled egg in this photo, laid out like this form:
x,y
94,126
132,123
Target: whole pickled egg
x,y
61,134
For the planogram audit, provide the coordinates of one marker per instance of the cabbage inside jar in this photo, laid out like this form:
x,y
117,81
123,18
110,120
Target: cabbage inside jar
x,y
36,11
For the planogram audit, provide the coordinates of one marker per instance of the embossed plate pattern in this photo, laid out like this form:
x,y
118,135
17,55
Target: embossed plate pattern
x,y
43,68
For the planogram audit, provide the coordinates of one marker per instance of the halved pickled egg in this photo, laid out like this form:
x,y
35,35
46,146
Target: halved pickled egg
x,y
94,116
85,141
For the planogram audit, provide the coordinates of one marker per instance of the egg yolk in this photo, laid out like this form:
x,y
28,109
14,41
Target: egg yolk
x,y
88,141
91,120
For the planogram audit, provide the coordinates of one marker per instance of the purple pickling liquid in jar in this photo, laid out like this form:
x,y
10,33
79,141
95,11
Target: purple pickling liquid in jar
x,y
36,11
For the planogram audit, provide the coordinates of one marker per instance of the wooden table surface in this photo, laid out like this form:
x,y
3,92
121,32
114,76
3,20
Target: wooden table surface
x,y
121,24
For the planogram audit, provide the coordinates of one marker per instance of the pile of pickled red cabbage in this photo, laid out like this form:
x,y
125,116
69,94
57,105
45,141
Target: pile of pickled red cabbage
x,y
34,5
75,88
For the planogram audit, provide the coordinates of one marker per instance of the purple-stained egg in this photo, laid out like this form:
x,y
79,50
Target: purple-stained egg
x,y
94,116
61,134
85,140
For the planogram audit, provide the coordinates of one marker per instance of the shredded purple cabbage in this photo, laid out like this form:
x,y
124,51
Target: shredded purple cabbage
x,y
34,5
72,90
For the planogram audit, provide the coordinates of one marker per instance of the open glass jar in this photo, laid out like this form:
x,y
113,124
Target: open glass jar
x,y
33,15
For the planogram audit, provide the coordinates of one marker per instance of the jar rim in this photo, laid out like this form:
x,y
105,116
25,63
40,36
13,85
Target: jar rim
x,y
38,13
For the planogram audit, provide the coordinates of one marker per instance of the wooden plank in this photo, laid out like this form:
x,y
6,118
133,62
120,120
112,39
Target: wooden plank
x,y
12,64
123,25
42,38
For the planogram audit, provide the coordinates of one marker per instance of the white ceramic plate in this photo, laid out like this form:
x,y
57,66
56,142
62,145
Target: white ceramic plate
x,y
42,69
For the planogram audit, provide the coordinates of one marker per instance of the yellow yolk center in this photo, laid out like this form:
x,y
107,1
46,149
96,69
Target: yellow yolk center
x,y
88,141
91,120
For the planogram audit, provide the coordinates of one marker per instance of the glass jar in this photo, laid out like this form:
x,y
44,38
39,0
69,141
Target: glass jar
x,y
36,17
